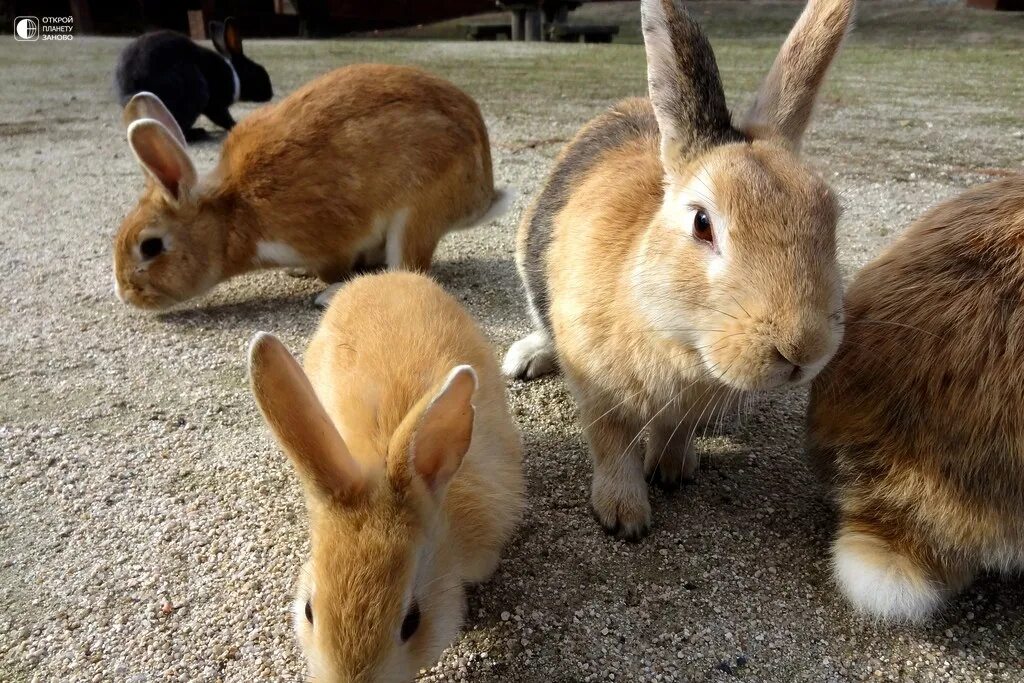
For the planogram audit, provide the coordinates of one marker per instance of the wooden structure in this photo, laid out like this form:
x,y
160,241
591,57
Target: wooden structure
x,y
1001,5
535,20
256,17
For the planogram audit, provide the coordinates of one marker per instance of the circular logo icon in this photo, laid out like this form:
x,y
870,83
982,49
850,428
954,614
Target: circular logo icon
x,y
26,28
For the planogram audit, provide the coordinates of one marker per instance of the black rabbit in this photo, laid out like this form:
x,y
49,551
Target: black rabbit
x,y
190,79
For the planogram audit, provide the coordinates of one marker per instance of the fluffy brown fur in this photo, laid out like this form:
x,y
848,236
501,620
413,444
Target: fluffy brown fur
x,y
367,165
411,465
659,326
917,424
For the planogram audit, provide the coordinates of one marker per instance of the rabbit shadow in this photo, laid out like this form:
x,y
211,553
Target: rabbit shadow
x,y
489,288
986,618
756,514
238,315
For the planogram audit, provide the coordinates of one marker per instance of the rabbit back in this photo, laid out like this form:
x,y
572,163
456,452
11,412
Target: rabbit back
x,y
630,123
167,64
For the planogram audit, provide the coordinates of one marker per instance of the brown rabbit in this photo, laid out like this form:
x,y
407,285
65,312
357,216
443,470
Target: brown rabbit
x,y
367,165
917,424
674,261
401,436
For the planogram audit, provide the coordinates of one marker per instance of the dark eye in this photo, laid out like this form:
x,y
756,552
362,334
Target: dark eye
x,y
309,612
411,622
151,247
702,227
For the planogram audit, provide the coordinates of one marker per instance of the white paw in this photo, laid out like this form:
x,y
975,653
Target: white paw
x,y
882,583
530,357
323,299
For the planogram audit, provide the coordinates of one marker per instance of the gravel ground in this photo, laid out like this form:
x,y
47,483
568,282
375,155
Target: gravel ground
x,y
150,530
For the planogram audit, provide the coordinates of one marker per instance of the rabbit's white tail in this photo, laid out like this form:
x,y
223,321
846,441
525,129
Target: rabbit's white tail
x,y
504,198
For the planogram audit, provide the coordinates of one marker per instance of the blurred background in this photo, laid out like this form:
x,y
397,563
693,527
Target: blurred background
x,y
551,20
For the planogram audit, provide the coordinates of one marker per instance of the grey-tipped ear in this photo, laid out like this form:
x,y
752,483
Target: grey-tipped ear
x,y
683,82
146,105
785,101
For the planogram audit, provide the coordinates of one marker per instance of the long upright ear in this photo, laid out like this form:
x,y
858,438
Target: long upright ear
x,y
233,36
683,82
785,101
444,429
216,29
146,105
163,158
299,422
226,37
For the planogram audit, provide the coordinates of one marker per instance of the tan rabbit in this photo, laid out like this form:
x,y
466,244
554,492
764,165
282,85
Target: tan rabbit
x,y
674,261
400,434
367,165
917,424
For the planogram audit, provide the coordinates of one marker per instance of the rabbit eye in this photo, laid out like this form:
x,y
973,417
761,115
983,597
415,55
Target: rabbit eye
x,y
702,227
411,622
151,247
309,612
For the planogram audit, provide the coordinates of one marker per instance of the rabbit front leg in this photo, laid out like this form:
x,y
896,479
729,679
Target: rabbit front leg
x,y
412,238
221,117
671,458
618,493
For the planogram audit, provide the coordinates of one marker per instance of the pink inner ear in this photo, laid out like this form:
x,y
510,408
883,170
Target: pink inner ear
x,y
167,171
445,430
232,39
158,152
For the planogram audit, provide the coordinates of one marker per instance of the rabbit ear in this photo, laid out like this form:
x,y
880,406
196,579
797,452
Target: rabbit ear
x,y
226,37
299,422
146,105
216,29
785,101
441,430
683,82
232,36
163,158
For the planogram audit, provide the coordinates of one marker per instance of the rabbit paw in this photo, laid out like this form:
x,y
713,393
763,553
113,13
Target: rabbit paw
x,y
669,465
621,507
323,299
530,357
301,273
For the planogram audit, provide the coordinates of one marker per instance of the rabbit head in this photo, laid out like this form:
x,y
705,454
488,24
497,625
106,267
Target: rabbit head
x,y
170,247
379,598
739,261
253,79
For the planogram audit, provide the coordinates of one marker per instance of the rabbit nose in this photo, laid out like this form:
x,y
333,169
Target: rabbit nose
x,y
786,358
805,348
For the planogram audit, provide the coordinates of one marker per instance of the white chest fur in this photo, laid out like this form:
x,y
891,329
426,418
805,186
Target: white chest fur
x,y
278,254
234,79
